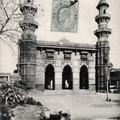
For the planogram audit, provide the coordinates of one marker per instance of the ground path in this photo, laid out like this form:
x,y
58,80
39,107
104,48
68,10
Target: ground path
x,y
81,105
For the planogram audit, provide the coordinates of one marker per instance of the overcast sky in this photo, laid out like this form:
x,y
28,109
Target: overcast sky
x,y
86,27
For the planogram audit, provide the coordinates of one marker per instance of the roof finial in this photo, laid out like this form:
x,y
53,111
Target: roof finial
x,y
29,1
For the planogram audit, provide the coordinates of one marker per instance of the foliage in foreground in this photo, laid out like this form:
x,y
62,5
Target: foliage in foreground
x,y
10,97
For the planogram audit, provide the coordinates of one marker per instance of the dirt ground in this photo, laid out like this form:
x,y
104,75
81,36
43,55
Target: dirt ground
x,y
83,105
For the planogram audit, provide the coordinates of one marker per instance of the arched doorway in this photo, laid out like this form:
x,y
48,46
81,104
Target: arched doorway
x,y
67,78
84,78
49,77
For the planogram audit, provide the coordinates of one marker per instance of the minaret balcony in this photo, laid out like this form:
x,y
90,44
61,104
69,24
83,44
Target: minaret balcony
x,y
28,8
103,32
102,18
28,25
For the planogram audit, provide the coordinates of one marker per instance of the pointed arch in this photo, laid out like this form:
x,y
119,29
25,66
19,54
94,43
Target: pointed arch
x,y
84,83
67,78
49,77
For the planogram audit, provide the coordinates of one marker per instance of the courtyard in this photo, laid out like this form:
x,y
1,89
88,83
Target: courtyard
x,y
83,105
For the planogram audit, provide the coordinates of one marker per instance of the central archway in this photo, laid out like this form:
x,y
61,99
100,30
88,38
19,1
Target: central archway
x,y
49,77
67,78
84,78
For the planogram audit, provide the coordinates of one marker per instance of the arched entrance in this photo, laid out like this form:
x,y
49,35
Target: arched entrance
x,y
84,78
67,78
49,77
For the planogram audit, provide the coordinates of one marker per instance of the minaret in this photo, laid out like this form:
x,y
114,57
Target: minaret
x,y
102,47
27,44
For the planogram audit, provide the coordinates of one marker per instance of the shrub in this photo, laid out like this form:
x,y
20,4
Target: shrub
x,y
6,113
31,101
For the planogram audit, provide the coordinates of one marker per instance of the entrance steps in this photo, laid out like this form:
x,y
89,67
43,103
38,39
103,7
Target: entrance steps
x,y
66,92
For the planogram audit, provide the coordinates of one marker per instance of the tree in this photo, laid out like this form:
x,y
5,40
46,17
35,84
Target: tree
x,y
10,32
10,16
9,21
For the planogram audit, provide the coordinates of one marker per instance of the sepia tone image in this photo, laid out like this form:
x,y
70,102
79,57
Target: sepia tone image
x,y
59,60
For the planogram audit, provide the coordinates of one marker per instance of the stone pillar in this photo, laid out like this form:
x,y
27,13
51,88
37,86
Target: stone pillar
x,y
58,70
58,78
76,59
92,78
40,72
91,71
76,75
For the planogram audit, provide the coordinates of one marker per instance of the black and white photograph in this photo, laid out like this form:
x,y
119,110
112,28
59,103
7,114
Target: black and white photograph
x,y
59,59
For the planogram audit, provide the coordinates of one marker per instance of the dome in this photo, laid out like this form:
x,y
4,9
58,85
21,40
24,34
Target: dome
x,y
102,3
64,41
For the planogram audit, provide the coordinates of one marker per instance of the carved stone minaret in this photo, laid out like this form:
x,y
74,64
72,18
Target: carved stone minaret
x,y
102,47
27,44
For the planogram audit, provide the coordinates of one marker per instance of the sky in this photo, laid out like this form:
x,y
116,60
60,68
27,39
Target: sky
x,y
85,33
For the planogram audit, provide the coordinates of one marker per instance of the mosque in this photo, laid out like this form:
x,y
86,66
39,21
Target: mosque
x,y
64,65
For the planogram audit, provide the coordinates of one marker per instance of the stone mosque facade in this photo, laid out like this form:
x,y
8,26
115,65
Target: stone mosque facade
x,y
63,65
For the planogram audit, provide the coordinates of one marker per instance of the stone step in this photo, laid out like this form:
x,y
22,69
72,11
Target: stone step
x,y
67,92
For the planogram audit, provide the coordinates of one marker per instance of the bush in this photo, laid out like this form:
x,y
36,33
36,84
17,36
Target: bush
x,y
21,84
12,96
6,113
31,101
